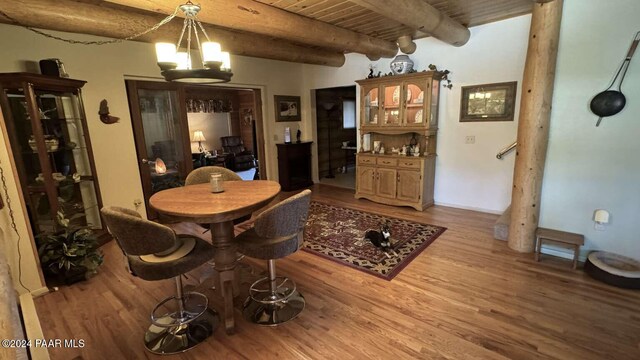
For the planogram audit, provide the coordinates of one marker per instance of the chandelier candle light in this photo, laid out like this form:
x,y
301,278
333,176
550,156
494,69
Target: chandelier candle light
x,y
176,65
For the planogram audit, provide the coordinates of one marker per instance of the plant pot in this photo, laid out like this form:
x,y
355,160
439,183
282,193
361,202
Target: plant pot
x,y
74,275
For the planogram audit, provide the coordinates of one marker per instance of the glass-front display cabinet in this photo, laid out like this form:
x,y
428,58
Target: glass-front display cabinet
x,y
401,103
48,134
371,106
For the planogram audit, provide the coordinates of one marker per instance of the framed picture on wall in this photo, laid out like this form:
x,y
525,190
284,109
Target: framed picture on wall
x,y
287,108
488,102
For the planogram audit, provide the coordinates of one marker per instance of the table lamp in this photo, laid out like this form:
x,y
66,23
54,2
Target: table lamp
x,y
199,137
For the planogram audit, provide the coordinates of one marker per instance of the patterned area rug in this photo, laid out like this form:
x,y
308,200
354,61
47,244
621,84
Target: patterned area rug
x,y
337,233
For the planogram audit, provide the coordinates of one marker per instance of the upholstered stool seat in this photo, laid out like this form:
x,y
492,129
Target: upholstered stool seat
x,y
277,233
201,253
252,245
155,252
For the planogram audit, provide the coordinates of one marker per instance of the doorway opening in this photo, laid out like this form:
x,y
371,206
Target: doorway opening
x,y
336,130
178,128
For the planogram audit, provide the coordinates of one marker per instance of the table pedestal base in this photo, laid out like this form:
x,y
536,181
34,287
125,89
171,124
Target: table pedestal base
x,y
225,263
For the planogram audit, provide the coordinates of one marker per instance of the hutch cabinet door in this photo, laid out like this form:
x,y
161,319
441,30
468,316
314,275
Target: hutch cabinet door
x,y
433,104
393,97
409,185
365,179
386,184
370,106
415,112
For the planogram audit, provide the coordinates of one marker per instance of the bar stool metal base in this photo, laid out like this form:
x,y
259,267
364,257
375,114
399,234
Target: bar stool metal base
x,y
268,314
177,339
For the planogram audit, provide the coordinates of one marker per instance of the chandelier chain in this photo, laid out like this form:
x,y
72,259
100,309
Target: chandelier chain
x,y
96,42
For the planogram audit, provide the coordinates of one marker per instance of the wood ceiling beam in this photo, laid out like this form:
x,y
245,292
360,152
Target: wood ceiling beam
x,y
86,18
255,17
419,15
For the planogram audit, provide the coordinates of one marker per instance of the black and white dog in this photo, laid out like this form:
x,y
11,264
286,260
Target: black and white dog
x,y
381,239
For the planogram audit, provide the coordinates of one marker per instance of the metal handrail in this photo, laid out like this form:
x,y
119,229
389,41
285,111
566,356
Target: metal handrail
x,y
504,151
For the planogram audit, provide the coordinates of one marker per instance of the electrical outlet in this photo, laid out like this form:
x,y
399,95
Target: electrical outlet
x,y
275,137
470,139
137,203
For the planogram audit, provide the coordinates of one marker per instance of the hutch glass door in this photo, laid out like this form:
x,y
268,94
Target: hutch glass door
x,y
392,101
414,113
48,140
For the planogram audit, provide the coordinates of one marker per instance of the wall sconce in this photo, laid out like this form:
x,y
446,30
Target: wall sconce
x,y
601,217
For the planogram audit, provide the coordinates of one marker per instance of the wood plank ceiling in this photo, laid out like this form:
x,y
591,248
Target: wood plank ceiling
x,y
357,18
307,31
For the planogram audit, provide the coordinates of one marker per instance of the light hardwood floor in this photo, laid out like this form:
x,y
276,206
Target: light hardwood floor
x,y
467,296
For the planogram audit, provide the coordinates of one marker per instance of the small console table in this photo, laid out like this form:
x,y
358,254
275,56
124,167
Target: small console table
x,y
294,165
560,237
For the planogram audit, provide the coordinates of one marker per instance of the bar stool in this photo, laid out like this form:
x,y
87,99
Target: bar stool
x,y
277,232
155,252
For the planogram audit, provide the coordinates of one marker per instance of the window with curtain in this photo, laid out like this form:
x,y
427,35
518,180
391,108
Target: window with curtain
x,y
349,114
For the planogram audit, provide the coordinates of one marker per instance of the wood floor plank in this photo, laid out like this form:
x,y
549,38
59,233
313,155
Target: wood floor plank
x,y
465,296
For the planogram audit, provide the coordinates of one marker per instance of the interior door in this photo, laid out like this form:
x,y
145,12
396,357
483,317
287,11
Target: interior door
x,y
161,134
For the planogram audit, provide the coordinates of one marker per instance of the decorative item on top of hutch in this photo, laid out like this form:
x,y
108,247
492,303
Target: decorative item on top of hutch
x,y
47,131
399,112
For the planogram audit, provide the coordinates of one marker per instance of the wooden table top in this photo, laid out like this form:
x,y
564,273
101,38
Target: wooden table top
x,y
197,203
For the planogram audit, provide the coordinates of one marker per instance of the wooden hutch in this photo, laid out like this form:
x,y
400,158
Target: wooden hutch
x,y
395,111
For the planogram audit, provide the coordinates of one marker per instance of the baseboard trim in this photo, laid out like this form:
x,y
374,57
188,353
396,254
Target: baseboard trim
x,y
472,208
39,292
32,326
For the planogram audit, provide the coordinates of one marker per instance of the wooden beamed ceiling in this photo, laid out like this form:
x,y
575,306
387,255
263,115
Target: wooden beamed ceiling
x,y
307,31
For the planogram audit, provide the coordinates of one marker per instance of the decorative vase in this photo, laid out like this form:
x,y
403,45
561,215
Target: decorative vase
x,y
402,64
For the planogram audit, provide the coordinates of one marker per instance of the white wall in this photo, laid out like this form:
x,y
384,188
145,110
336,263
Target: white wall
x,y
467,176
212,125
105,68
592,168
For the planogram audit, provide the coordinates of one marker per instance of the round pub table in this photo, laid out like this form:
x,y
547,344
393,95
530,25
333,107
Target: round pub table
x,y
196,203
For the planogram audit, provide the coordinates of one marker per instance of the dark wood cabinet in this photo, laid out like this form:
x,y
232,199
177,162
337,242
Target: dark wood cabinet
x,y
294,165
48,135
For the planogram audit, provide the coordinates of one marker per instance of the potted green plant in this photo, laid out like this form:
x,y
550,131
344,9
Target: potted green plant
x,y
71,253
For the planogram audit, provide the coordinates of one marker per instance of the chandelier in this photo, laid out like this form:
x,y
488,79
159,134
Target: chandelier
x,y
176,65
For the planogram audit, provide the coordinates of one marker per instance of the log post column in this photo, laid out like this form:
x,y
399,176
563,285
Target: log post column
x,y
533,127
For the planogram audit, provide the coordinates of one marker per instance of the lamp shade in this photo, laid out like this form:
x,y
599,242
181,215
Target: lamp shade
x,y
226,61
166,52
198,136
183,60
211,52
